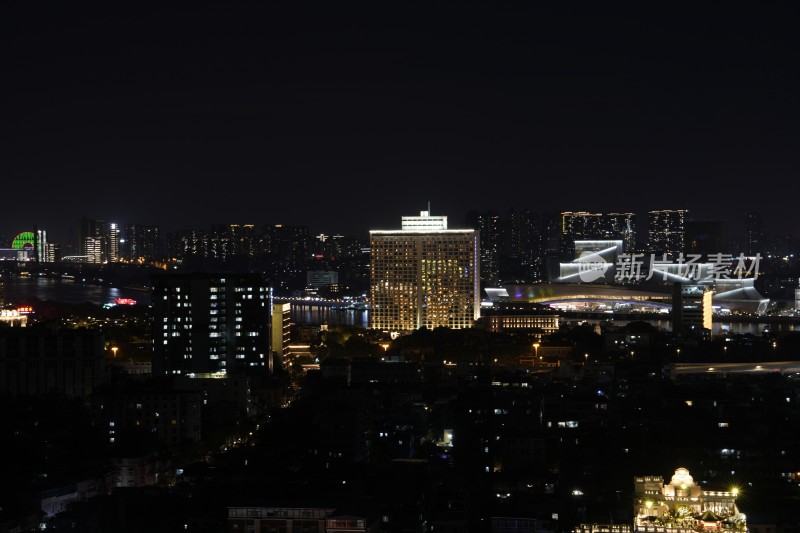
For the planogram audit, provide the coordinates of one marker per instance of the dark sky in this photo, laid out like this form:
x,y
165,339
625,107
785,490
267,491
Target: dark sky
x,y
346,116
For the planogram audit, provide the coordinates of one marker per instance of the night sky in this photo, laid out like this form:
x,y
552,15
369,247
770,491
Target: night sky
x,y
345,116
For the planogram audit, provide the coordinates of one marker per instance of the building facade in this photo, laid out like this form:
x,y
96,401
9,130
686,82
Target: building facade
x,y
37,362
424,275
667,231
281,324
207,323
683,506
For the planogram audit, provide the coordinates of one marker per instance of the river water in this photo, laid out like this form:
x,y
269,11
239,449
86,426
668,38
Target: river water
x,y
21,291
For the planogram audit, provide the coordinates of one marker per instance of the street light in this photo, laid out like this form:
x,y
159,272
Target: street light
x,y
535,349
114,351
586,355
678,352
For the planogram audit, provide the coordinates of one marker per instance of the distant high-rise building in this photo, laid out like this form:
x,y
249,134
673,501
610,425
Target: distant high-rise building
x,y
206,323
551,234
581,225
91,244
753,233
143,243
621,226
99,241
242,240
522,236
287,245
112,242
520,249
424,274
706,237
489,227
184,244
52,252
92,248
667,231
41,246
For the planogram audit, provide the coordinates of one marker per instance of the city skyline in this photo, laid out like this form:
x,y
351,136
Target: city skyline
x,y
69,233
331,116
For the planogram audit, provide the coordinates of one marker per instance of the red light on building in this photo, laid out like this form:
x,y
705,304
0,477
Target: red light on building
x,y
125,301
25,310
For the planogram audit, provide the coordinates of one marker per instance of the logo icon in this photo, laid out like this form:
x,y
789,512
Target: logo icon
x,y
592,266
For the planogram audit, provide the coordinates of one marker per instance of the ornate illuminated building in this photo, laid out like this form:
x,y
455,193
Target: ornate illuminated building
x,y
682,506
424,275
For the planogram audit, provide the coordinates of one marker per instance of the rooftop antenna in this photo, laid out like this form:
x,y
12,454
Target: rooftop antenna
x,y
429,207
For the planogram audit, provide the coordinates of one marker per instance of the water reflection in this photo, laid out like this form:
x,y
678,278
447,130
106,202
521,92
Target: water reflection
x,y
27,290
317,314
717,328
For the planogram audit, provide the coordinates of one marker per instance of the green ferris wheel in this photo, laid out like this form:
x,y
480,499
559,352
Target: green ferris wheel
x,y
26,239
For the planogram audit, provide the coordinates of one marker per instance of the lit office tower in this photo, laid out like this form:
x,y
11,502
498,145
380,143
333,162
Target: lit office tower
x,y
488,224
99,241
91,244
206,323
668,231
424,275
754,234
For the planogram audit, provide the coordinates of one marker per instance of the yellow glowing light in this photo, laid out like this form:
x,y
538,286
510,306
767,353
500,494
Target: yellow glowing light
x,y
735,491
648,504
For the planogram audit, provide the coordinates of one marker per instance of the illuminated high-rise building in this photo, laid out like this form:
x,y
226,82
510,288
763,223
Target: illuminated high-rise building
x,y
143,243
91,245
92,248
581,225
99,241
668,231
281,324
621,226
111,235
208,323
489,226
286,245
424,274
